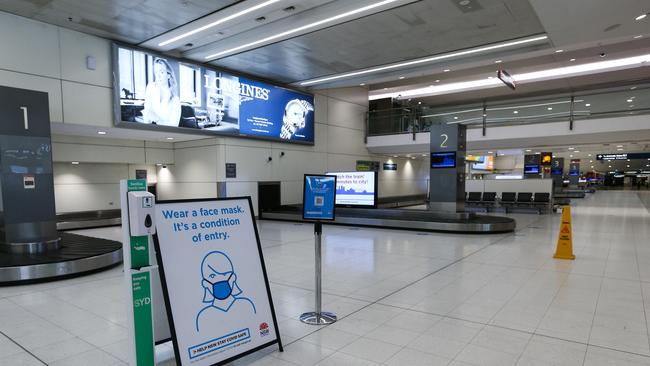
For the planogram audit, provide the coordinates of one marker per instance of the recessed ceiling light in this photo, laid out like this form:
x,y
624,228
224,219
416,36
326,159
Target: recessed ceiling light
x,y
577,151
642,16
362,84
591,161
610,166
628,166
419,102
589,155
588,105
101,132
437,80
630,100
455,117
515,112
572,148
573,59
446,70
528,150
559,51
217,22
75,163
639,36
170,138
498,61
619,149
401,77
385,88
549,108
632,88
395,156
619,145
301,29
570,156
158,164
631,106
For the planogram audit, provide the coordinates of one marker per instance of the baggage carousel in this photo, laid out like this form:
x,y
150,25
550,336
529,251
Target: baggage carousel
x,y
71,255
407,219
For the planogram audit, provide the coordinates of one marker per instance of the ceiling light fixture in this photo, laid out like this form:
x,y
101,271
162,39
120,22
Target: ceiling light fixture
x,y
633,88
446,70
642,16
362,84
549,108
498,61
559,51
588,105
300,29
549,74
101,132
573,59
444,56
220,21
639,36
401,77
75,163
170,138
528,150
515,112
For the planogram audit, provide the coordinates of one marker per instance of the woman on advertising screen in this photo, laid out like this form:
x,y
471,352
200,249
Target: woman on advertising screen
x,y
162,105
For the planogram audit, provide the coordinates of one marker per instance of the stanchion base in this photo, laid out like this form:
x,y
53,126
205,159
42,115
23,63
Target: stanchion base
x,y
314,318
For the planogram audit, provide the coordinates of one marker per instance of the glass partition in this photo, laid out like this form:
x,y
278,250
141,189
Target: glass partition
x,y
621,101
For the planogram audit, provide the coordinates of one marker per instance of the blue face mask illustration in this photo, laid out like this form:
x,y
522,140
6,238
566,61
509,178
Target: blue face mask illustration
x,y
222,290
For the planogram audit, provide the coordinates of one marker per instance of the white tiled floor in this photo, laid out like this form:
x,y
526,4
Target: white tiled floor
x,y
403,298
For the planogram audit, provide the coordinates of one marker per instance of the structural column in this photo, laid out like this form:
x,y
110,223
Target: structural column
x,y
447,168
28,211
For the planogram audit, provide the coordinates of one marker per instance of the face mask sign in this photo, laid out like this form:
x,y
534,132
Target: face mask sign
x,y
222,290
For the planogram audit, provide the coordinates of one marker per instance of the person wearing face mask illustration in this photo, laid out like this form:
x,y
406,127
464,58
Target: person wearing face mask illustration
x,y
221,293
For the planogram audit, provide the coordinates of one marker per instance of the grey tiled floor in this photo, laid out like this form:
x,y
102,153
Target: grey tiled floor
x,y
403,298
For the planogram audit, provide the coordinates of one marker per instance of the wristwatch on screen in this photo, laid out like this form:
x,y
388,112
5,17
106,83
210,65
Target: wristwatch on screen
x,y
295,115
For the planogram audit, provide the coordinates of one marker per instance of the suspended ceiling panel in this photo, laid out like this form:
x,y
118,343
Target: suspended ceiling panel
x,y
132,21
411,31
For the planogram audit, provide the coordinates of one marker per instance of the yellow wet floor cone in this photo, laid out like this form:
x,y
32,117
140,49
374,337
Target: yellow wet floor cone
x,y
564,248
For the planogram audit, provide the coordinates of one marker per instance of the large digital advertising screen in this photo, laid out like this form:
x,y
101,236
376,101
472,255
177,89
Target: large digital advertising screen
x,y
163,93
356,189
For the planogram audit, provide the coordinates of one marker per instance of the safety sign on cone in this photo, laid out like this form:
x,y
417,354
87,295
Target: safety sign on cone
x,y
564,248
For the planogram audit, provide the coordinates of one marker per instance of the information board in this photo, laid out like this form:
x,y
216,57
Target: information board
x,y
214,280
319,196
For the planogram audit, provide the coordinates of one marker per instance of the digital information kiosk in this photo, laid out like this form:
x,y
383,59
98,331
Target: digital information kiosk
x,y
319,198
214,280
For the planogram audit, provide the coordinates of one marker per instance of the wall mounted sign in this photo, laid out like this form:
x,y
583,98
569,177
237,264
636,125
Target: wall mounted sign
x,y
231,170
390,166
319,197
141,174
157,92
367,166
214,280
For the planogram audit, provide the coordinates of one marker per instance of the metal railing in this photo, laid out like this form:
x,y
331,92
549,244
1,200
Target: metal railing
x,y
624,101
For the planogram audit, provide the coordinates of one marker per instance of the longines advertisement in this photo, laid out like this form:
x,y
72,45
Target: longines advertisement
x,y
161,91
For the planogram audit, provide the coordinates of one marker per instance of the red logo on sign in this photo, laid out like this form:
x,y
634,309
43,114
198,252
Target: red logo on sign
x,y
264,329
